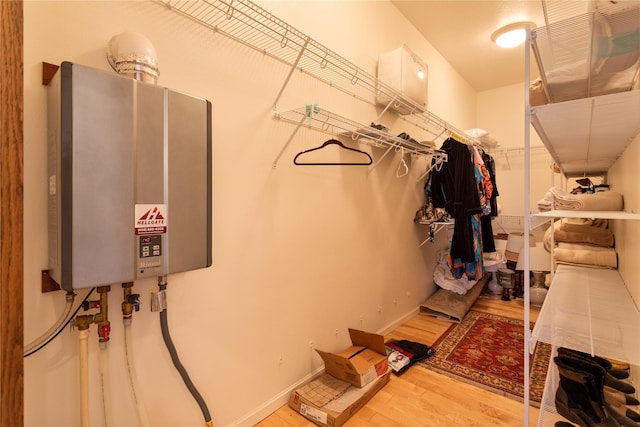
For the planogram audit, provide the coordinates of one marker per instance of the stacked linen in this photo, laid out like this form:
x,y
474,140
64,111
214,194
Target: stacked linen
x,y
585,242
570,254
556,198
445,279
584,234
546,203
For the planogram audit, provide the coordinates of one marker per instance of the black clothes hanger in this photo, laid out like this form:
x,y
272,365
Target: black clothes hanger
x,y
330,142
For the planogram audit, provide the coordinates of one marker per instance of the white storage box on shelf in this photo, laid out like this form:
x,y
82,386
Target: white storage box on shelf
x,y
404,72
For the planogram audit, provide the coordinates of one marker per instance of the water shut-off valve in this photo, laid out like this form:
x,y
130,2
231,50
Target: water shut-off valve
x,y
101,319
130,302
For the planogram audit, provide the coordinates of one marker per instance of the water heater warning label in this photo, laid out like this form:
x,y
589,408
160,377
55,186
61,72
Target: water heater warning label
x,y
151,219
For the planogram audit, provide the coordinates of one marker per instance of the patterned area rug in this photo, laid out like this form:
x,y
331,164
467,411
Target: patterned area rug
x,y
487,350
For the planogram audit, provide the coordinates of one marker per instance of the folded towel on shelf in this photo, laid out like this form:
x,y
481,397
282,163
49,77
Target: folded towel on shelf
x,y
589,222
546,203
603,201
584,242
578,230
602,237
583,255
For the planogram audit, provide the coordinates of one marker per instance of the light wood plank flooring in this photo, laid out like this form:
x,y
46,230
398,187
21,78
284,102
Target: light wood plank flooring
x,y
423,398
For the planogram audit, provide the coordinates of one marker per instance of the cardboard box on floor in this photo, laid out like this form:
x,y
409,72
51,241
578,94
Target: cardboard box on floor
x,y
361,363
330,402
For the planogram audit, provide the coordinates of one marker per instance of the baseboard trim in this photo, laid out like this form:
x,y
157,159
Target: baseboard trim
x,y
281,399
399,321
273,404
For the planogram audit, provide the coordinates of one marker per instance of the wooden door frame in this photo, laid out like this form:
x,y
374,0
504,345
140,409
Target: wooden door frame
x,y
11,214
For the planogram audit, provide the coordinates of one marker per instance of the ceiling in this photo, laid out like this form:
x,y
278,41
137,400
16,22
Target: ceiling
x,y
461,31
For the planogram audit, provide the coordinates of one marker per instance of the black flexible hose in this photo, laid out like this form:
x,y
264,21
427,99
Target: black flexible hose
x,y
176,362
52,337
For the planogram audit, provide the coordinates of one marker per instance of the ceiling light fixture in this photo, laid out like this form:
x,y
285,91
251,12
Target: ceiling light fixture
x,y
512,35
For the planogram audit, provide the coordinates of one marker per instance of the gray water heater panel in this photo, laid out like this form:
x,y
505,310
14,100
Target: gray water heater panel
x,y
129,179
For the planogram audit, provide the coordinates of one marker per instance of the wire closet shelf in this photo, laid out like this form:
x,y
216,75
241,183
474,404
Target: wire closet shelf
x,y
256,28
587,50
333,124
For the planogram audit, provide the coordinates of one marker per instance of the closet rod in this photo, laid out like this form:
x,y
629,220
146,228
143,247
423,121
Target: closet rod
x,y
517,149
427,118
507,151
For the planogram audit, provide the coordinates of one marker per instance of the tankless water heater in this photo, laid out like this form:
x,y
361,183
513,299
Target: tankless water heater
x,y
129,179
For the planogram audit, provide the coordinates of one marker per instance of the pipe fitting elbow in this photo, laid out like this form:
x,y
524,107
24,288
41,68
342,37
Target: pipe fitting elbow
x,y
83,321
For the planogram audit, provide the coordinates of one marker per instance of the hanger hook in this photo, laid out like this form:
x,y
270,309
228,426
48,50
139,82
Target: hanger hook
x,y
230,10
285,39
323,62
325,125
403,169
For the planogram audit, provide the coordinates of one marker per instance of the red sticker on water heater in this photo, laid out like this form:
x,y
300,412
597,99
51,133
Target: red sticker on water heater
x,y
151,219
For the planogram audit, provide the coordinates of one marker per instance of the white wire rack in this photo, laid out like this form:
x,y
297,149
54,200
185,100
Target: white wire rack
x,y
514,151
601,129
313,117
254,27
584,51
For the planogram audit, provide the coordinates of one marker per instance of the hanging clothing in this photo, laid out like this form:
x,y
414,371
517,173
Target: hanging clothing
x,y
490,164
485,186
454,188
474,270
488,242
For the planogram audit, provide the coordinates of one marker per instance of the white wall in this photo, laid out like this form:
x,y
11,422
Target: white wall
x,y
299,255
501,112
623,178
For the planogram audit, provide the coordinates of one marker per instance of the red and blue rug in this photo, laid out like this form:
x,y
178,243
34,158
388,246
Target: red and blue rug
x,y
487,350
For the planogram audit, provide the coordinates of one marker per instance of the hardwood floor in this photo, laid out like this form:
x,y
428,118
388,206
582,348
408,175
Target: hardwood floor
x,y
423,398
